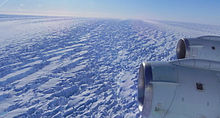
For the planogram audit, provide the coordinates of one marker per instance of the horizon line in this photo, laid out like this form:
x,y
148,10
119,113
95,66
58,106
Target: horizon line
x,y
66,14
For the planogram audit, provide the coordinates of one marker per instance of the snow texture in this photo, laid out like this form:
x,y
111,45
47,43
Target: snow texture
x,y
81,67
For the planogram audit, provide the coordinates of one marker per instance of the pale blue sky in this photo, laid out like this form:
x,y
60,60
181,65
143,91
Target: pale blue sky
x,y
198,11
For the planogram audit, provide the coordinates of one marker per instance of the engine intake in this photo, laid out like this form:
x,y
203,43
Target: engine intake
x,y
181,49
144,86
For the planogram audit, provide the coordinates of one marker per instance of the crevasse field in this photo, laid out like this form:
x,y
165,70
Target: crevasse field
x,y
81,67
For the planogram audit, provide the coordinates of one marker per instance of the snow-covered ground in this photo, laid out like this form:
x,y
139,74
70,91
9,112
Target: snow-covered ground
x,y
81,67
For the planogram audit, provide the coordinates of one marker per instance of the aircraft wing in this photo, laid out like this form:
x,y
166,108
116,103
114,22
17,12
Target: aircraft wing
x,y
185,88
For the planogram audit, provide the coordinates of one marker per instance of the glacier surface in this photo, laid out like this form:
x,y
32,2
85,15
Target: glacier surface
x,y
81,67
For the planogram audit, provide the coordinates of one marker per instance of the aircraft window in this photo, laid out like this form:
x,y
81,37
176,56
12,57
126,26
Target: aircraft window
x,y
199,86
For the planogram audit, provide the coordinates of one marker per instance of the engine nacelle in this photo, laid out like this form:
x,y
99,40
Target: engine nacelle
x,y
205,47
184,88
156,79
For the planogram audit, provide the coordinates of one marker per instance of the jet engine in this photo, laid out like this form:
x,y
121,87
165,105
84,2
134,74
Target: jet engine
x,y
205,47
184,88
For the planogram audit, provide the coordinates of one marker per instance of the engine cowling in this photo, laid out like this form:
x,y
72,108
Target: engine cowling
x,y
184,88
205,47
156,79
